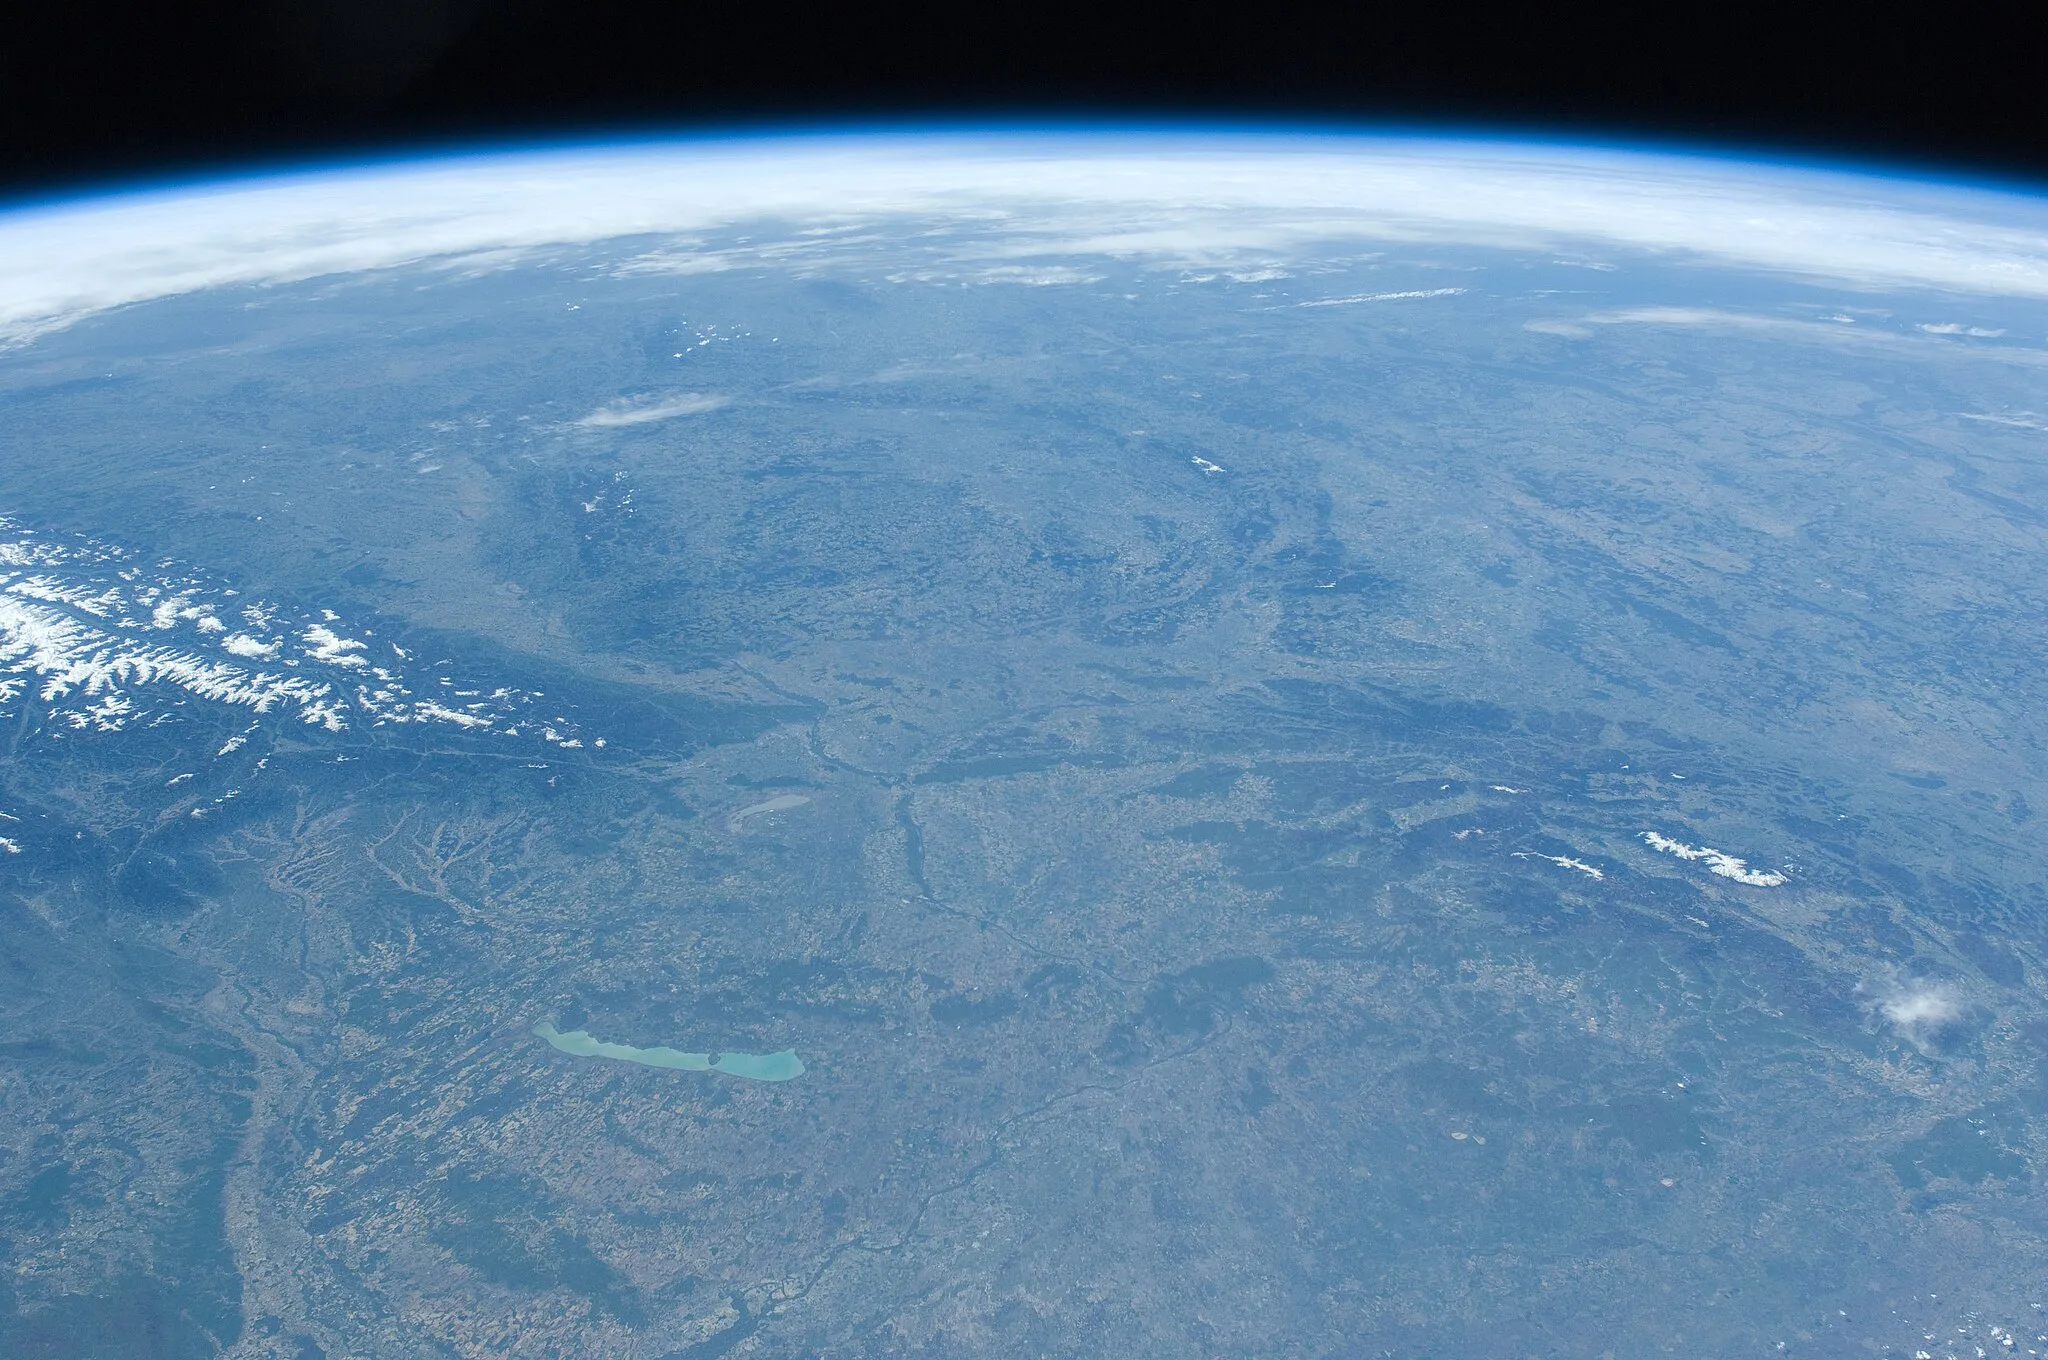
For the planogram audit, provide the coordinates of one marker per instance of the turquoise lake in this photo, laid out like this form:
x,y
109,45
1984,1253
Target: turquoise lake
x,y
755,1066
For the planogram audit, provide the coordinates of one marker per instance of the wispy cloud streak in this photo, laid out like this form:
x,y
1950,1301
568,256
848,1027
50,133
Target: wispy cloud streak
x,y
648,411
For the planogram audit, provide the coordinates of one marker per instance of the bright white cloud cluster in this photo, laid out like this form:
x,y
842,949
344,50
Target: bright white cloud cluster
x,y
1716,861
1921,1009
1021,204
1918,1009
102,642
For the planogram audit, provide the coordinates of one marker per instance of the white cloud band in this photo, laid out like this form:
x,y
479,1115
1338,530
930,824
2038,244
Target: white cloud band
x,y
1178,196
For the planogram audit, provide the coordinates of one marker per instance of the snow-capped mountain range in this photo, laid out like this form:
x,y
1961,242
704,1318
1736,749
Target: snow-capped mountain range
x,y
102,641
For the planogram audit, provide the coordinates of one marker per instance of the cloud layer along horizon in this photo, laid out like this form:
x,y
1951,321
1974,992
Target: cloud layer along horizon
x,y
1173,198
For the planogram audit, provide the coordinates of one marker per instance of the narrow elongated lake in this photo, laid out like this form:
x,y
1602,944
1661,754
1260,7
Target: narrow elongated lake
x,y
755,1066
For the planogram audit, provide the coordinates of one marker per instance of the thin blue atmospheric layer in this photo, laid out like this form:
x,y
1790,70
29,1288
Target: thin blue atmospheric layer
x,y
1899,181
755,1066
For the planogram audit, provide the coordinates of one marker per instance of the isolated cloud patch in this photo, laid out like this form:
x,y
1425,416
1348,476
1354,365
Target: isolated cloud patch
x,y
1917,1009
646,410
1381,297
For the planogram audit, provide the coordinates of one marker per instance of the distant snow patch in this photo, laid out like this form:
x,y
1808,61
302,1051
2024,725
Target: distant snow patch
x,y
1717,861
324,644
646,410
1565,862
429,711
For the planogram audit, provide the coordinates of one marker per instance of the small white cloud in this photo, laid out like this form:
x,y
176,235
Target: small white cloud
x,y
1956,328
1917,1009
1920,1009
644,410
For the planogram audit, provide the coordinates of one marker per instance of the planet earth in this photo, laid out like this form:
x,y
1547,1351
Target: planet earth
x,y
1181,743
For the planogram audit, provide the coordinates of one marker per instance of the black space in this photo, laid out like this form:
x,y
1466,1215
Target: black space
x,y
92,89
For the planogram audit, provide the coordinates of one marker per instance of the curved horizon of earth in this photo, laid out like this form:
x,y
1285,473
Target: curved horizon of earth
x,y
1325,744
